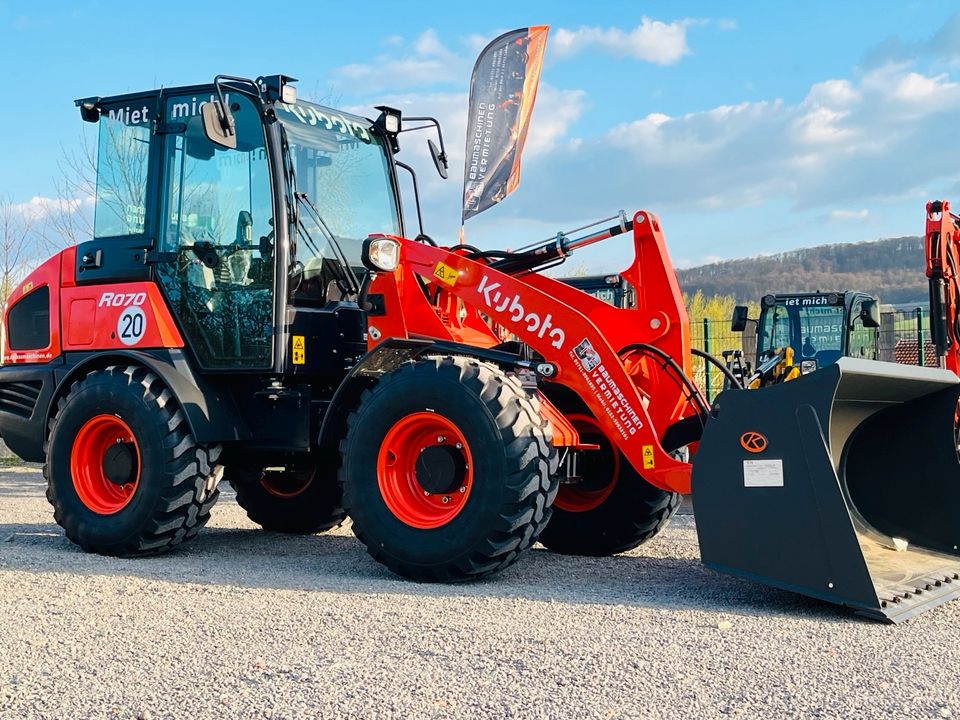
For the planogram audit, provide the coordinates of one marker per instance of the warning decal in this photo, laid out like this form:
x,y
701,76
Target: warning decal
x,y
299,350
648,463
445,274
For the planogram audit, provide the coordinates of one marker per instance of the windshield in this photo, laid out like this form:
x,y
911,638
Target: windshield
x,y
814,332
343,167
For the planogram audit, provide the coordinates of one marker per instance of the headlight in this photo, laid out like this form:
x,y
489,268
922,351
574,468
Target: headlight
x,y
807,366
381,253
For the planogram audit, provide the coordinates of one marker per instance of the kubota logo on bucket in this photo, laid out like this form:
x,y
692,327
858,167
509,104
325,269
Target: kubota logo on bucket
x,y
753,442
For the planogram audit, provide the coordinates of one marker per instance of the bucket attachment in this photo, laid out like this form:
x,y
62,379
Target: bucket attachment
x,y
843,485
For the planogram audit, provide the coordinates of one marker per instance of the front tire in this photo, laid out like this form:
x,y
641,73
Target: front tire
x,y
125,476
448,470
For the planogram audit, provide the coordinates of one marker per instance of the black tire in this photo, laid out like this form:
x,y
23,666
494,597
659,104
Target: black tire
x,y
632,513
177,477
295,500
512,481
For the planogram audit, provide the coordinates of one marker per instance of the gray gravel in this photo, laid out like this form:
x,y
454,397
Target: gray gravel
x,y
241,623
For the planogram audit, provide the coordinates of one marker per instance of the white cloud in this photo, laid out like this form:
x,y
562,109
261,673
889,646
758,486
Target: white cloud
x,y
822,125
917,88
833,93
847,143
836,156
849,214
651,41
426,62
40,208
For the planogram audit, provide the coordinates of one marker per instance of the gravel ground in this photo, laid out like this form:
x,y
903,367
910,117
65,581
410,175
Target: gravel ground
x,y
240,623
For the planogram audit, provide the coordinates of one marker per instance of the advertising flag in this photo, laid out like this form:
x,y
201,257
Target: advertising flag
x,y
503,89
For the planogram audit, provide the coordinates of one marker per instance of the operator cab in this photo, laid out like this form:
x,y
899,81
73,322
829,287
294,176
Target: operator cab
x,y
246,235
820,327
612,289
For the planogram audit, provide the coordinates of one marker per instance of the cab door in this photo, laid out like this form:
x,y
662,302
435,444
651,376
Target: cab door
x,y
122,226
215,235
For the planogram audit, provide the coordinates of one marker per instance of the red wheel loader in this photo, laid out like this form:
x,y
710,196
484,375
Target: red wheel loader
x,y
234,318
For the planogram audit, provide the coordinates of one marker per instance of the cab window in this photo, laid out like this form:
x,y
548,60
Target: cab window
x,y
123,153
863,340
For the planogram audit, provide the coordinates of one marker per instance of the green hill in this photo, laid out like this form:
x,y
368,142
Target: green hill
x,y
892,269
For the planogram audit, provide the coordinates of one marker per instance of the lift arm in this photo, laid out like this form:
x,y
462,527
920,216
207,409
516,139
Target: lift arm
x,y
601,353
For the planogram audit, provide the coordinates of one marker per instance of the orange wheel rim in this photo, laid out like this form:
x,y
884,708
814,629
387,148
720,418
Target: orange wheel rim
x,y
287,484
419,447
105,464
581,497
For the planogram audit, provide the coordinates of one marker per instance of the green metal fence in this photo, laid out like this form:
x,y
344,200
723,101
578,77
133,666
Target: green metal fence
x,y
903,337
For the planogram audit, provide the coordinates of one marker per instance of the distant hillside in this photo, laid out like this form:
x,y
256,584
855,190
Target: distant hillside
x,y
892,269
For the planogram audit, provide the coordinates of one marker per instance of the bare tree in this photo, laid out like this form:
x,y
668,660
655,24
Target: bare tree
x,y
18,243
68,221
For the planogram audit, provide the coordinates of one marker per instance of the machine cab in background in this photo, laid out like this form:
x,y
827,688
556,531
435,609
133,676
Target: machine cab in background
x,y
819,327
612,289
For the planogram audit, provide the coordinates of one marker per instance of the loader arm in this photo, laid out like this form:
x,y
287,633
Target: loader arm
x,y
586,343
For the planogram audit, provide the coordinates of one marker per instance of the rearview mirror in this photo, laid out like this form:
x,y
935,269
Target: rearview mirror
x,y
219,126
738,323
870,314
439,159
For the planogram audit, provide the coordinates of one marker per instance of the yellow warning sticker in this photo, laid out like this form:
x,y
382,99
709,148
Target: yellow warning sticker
x,y
648,463
445,274
299,350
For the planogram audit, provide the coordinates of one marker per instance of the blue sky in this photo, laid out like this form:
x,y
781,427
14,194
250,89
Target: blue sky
x,y
748,127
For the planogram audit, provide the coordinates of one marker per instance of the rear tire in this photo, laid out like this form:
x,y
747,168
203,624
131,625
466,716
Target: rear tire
x,y
295,500
476,440
616,512
135,482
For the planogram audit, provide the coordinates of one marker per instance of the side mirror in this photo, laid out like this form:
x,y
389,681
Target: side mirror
x,y
439,159
738,323
870,314
218,125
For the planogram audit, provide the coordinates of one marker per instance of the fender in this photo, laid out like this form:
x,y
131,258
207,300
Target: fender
x,y
211,414
384,358
388,356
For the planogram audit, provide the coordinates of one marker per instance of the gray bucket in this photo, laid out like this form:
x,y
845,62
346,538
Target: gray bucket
x,y
843,485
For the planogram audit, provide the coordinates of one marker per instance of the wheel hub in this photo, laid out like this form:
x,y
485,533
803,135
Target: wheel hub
x,y
440,468
120,463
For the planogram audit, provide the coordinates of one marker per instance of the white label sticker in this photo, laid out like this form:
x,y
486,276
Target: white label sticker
x,y
763,473
131,326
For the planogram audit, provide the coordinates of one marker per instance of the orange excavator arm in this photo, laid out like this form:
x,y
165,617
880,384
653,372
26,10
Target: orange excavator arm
x,y
941,241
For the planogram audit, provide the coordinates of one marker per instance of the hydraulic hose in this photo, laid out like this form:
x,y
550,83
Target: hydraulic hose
x,y
681,377
734,382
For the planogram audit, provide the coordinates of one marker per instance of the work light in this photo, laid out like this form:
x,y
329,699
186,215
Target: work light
x,y
389,119
381,253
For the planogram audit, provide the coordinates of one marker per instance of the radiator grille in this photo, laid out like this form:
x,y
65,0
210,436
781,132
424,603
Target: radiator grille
x,y
19,398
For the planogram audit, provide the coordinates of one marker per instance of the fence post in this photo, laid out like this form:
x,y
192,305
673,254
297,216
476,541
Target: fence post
x,y
706,365
920,359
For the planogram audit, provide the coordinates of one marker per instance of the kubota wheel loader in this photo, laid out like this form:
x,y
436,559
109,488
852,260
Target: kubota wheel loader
x,y
234,316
